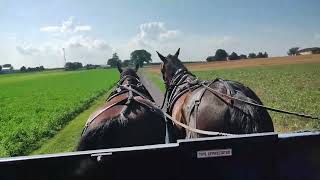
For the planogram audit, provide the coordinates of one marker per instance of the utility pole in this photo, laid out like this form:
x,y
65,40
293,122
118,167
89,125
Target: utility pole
x,y
64,56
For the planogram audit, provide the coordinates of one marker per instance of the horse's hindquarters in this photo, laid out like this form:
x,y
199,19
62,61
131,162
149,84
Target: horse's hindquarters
x,y
136,127
209,111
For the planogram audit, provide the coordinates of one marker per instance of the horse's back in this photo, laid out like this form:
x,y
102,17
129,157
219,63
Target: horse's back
x,y
218,113
136,125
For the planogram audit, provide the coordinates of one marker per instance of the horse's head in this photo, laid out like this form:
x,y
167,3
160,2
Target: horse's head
x,y
170,66
128,75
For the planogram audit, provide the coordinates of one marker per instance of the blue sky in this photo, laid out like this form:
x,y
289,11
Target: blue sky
x,y
34,32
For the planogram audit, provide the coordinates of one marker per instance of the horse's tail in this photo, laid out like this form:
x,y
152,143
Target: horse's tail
x,y
248,118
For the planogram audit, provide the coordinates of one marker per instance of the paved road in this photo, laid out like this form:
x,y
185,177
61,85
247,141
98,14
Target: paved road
x,y
152,88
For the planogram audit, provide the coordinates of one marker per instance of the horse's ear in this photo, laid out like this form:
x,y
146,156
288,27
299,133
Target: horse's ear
x,y
137,67
163,59
177,53
119,66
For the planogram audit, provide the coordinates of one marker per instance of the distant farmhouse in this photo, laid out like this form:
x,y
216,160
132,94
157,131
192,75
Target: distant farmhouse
x,y
6,68
306,51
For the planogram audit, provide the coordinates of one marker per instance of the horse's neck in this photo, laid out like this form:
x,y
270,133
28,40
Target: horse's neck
x,y
179,87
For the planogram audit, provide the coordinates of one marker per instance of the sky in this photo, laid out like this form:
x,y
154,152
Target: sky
x,y
33,33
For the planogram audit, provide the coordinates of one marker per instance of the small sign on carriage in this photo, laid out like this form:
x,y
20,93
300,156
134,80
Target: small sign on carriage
x,y
214,153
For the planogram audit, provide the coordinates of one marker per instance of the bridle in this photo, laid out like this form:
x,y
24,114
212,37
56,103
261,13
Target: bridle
x,y
174,91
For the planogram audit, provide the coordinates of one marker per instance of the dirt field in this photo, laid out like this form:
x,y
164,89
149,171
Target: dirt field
x,y
204,66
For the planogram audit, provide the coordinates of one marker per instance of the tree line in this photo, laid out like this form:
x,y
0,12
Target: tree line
x,y
142,57
31,69
222,55
71,66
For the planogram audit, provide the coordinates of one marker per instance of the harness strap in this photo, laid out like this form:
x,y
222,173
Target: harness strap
x,y
209,133
100,112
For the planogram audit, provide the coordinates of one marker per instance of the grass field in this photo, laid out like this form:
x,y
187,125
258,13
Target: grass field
x,y
35,106
67,139
294,87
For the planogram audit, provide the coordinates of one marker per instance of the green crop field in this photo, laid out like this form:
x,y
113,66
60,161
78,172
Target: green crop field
x,y
289,87
35,106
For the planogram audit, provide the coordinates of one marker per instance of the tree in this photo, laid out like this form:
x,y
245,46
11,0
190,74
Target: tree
x,y
70,66
0,68
242,56
114,60
140,56
210,58
234,56
265,55
23,69
126,62
221,55
252,55
260,55
293,51
91,66
41,68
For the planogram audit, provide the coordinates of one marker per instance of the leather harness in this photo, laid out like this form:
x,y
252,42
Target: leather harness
x,y
182,82
132,96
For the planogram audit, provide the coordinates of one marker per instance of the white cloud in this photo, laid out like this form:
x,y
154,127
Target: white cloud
x,y
50,29
156,36
154,32
82,28
67,26
27,50
152,36
86,42
79,46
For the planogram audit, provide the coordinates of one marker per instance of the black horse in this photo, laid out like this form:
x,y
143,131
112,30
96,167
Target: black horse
x,y
190,102
128,118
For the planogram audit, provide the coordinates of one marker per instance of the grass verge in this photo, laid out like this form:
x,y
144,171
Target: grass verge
x,y
67,139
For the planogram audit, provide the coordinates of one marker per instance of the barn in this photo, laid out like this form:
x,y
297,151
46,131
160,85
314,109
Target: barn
x,y
306,51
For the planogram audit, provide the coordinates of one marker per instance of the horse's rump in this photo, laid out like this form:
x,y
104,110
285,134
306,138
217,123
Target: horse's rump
x,y
139,124
208,111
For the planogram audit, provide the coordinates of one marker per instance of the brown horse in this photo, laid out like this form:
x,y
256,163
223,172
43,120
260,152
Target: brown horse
x,y
128,118
200,107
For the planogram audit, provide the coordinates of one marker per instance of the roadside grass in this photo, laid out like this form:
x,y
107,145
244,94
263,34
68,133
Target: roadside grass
x,y
67,139
35,106
293,87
